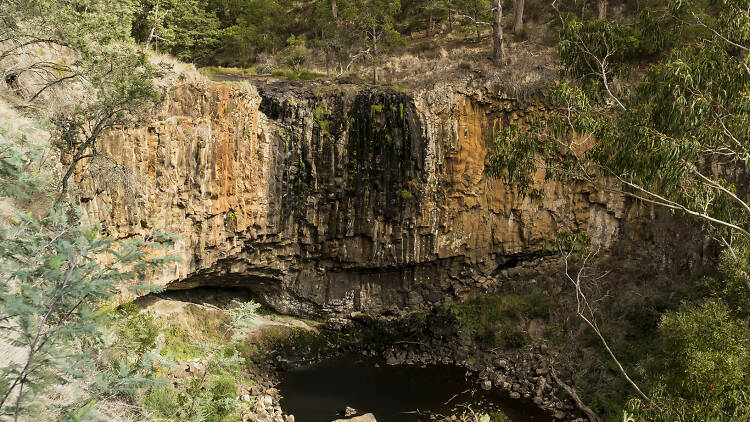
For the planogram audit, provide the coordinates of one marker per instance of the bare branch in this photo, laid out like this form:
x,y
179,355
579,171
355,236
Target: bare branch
x,y
587,314
715,32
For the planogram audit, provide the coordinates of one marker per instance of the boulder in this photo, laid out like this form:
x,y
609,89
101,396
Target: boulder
x,y
367,417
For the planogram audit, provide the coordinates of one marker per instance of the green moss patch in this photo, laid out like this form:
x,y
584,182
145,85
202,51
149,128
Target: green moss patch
x,y
496,319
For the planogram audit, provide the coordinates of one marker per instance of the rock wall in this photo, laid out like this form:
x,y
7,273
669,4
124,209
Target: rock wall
x,y
328,199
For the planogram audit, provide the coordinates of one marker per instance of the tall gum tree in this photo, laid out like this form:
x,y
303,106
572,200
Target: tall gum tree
x,y
374,25
518,6
498,43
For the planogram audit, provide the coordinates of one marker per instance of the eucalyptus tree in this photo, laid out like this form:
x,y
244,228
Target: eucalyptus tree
x,y
257,26
474,15
673,134
373,23
329,31
478,14
518,6
498,43
423,14
188,29
674,140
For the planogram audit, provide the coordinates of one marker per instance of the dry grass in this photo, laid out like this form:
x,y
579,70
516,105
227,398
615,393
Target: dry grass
x,y
64,95
177,72
459,59
31,81
531,63
16,128
14,125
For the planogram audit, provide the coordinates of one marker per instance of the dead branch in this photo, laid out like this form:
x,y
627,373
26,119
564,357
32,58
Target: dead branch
x,y
587,313
572,393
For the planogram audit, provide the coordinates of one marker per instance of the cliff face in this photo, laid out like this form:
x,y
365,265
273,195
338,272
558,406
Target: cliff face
x,y
333,199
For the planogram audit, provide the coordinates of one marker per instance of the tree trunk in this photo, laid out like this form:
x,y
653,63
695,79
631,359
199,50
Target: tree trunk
x,y
602,9
497,33
374,57
517,16
328,61
334,10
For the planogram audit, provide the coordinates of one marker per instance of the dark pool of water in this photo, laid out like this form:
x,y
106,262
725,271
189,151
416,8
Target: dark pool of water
x,y
392,393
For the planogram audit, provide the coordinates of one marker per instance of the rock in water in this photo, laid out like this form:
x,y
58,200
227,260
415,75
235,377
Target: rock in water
x,y
367,417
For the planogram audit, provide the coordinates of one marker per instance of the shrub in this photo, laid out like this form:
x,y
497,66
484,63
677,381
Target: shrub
x,y
139,329
702,374
161,399
223,391
539,305
705,350
294,53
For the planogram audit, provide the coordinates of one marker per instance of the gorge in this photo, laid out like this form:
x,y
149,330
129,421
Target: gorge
x,y
344,202
349,210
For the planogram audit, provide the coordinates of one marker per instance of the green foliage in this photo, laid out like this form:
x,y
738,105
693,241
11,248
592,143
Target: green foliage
x,y
320,116
213,71
512,160
539,305
161,399
179,345
211,396
297,75
139,328
81,25
241,315
247,31
705,350
294,53
658,139
731,284
373,24
52,264
216,402
186,28
470,415
424,14
54,286
93,36
293,343
16,181
119,81
705,362
587,44
476,15
494,319
112,78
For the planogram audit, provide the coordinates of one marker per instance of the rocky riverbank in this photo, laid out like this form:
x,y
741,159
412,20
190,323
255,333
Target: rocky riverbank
x,y
526,373
274,343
